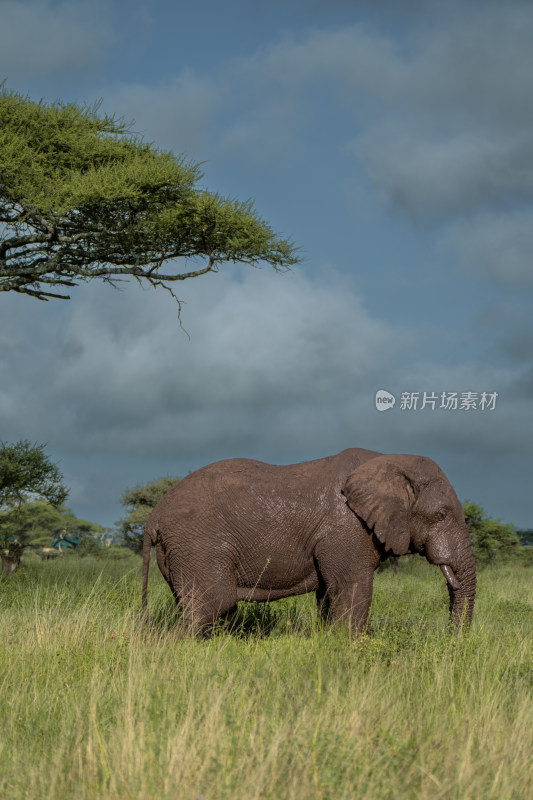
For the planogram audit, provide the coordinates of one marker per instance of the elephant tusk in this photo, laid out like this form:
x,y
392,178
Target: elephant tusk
x,y
450,577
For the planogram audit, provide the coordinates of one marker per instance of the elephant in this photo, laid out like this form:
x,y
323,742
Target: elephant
x,y
241,529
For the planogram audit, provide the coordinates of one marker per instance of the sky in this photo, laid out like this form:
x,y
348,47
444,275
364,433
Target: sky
x,y
392,142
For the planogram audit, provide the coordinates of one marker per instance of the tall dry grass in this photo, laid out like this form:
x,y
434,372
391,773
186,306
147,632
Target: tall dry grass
x,y
92,706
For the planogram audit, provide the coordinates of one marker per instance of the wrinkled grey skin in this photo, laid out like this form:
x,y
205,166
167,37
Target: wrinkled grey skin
x,y
245,530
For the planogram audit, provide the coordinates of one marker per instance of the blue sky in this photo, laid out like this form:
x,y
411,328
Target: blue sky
x,y
391,141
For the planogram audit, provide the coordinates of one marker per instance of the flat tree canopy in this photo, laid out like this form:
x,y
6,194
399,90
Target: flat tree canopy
x,y
82,198
25,471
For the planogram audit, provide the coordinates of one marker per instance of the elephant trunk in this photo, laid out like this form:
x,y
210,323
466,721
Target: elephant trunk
x,y
452,552
462,587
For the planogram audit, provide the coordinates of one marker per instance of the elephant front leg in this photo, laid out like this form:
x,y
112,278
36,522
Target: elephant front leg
x,y
350,604
323,603
347,573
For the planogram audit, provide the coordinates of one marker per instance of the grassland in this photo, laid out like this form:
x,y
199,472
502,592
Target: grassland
x,y
92,706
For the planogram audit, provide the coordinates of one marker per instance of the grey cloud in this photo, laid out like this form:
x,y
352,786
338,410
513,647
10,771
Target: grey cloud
x,y
496,246
39,37
441,177
267,134
506,327
517,345
441,113
275,364
237,111
454,114
280,368
177,115
129,380
355,59
522,386
257,106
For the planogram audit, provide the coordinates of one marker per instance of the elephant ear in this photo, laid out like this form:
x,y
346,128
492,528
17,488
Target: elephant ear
x,y
381,494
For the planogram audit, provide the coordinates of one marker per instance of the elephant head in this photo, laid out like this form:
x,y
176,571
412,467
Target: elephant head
x,y
409,505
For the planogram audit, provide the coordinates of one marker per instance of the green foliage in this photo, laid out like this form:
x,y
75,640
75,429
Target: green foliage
x,y
82,198
526,537
37,523
491,539
88,546
139,502
24,470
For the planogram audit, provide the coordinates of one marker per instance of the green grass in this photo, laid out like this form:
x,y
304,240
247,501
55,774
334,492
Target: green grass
x,y
277,708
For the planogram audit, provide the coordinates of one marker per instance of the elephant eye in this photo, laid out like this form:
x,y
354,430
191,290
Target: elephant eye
x,y
441,515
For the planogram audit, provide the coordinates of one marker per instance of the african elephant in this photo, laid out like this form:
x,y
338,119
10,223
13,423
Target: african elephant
x,y
244,530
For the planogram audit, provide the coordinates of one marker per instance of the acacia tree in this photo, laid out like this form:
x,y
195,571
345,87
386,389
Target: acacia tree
x,y
82,198
25,471
139,503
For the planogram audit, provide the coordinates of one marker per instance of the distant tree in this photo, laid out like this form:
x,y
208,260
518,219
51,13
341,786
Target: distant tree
x,y
526,537
37,523
491,538
82,198
139,502
25,473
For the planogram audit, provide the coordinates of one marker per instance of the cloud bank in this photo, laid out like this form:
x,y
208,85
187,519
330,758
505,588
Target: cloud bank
x,y
41,37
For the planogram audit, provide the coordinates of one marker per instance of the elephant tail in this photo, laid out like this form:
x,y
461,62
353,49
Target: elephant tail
x,y
147,549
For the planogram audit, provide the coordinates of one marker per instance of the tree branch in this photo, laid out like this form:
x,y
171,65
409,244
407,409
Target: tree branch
x,y
80,199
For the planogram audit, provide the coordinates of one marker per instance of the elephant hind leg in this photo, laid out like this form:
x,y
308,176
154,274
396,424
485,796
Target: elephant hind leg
x,y
202,607
162,563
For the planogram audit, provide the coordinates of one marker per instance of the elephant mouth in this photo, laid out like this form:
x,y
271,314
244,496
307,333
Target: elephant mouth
x,y
449,575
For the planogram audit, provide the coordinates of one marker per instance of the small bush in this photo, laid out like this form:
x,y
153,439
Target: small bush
x,y
491,539
89,547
